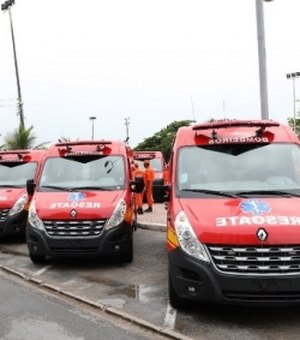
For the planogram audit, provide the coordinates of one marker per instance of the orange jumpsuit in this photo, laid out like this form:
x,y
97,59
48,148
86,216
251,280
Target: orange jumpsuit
x,y
139,196
148,179
166,174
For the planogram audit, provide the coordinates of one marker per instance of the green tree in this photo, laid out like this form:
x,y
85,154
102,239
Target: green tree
x,y
297,125
163,139
21,138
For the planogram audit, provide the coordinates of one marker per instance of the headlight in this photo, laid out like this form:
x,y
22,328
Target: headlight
x,y
117,216
19,205
33,218
187,238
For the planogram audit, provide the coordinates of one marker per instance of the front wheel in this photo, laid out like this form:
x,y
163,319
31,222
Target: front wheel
x,y
128,256
38,259
175,301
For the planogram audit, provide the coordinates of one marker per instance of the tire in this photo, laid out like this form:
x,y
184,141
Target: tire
x,y
128,256
38,259
175,301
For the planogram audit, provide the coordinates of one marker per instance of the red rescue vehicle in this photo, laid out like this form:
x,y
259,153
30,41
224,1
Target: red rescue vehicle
x,y
233,214
16,167
83,202
157,163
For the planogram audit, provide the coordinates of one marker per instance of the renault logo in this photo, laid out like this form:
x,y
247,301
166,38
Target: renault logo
x,y
261,234
73,213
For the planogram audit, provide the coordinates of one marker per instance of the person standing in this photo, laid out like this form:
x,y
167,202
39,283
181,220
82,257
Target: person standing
x,y
138,172
148,179
166,174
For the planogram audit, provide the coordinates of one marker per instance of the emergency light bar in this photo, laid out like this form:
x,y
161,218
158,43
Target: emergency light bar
x,y
231,123
20,153
67,148
144,155
83,142
14,152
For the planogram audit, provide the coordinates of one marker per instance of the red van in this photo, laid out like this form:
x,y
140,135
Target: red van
x,y
157,163
16,167
233,214
82,203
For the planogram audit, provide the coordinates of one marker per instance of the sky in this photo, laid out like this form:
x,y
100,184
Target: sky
x,y
153,62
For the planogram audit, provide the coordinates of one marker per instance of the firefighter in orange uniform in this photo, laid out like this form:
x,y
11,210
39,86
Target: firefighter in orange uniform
x,y
138,172
166,174
148,179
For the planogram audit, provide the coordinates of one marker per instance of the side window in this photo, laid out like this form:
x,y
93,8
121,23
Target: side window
x,y
295,164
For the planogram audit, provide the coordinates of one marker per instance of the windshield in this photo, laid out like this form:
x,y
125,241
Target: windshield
x,y
239,168
16,174
105,173
156,164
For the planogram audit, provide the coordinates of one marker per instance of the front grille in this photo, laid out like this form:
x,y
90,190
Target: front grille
x,y
262,296
256,260
73,250
3,214
74,228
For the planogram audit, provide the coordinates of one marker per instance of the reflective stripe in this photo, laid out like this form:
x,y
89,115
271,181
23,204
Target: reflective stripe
x,y
172,238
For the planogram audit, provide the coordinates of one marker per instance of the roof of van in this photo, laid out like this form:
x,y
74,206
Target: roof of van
x,y
104,147
235,131
141,155
25,155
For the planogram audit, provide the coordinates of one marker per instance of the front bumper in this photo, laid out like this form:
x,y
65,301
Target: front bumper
x,y
14,224
200,281
115,241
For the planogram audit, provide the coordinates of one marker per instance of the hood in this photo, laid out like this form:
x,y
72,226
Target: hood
x,y
9,196
241,221
78,205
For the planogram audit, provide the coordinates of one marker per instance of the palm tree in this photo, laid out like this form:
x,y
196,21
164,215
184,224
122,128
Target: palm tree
x,y
21,138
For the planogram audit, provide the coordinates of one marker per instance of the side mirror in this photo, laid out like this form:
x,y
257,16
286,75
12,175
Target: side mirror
x,y
138,185
30,187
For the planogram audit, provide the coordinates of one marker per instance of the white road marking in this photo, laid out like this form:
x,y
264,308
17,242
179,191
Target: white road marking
x,y
170,317
42,270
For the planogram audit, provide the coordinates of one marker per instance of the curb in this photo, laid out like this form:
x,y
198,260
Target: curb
x,y
152,226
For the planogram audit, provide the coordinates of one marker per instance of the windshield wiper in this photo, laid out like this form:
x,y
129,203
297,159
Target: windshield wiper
x,y
268,192
92,188
213,192
11,186
55,187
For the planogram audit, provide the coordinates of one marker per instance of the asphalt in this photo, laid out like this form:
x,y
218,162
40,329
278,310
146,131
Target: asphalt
x,y
156,220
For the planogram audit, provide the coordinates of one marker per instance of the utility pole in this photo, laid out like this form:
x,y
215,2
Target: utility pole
x,y
262,59
92,119
127,122
6,7
193,109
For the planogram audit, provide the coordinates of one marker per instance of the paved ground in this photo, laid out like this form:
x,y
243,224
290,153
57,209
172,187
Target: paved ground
x,y
157,220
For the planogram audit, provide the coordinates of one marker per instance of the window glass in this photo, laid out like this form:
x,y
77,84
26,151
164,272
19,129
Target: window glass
x,y
84,172
17,173
239,167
